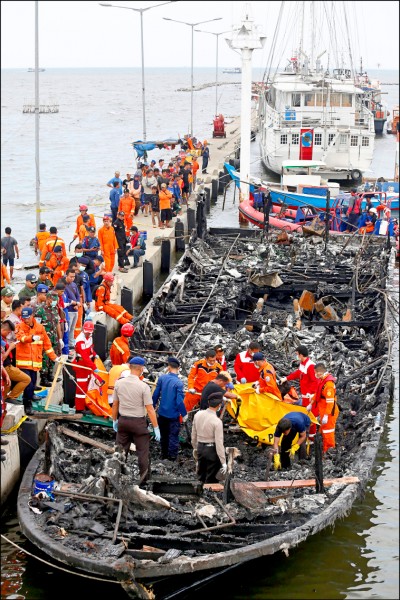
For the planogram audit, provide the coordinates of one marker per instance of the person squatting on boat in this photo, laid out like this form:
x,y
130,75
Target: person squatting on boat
x,y
223,381
266,383
288,427
120,351
132,400
204,370
170,409
208,441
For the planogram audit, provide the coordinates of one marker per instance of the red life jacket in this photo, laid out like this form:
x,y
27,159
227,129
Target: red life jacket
x,y
357,205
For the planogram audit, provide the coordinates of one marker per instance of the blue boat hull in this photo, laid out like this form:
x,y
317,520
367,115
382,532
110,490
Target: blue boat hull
x,y
293,200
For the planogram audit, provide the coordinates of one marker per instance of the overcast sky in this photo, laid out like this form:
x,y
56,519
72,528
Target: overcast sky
x,y
84,34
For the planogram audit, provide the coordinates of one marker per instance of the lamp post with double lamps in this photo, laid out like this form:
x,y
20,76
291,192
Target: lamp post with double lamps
x,y
192,25
141,11
216,63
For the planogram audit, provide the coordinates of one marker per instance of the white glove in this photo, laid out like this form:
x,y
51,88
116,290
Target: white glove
x,y
58,359
324,420
61,344
308,407
184,419
256,387
243,380
157,434
224,468
66,327
195,454
115,426
36,338
191,391
282,380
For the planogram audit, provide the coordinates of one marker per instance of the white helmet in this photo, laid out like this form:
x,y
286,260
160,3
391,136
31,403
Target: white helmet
x,y
373,210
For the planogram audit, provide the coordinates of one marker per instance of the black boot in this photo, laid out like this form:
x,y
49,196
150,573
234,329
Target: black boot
x,y
28,407
4,442
3,454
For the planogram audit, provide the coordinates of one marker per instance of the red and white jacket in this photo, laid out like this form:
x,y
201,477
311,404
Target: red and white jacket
x,y
308,382
244,367
85,352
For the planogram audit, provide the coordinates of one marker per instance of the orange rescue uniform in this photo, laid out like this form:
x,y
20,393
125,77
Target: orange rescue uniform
x,y
267,381
52,242
116,311
326,403
4,275
119,351
41,238
127,205
59,267
200,374
79,223
29,353
108,245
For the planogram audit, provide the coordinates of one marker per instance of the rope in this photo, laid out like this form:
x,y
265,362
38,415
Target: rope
x,y
14,427
56,566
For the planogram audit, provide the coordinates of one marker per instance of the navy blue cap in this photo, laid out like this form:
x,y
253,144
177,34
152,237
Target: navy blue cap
x,y
137,360
58,249
26,312
174,362
31,277
83,260
41,288
258,356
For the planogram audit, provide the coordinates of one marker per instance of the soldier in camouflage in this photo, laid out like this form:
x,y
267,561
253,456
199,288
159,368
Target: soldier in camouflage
x,y
47,315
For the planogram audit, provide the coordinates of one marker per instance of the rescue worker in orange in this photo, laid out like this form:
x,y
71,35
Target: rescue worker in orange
x,y
267,381
108,244
4,275
120,352
33,339
48,247
102,301
83,209
202,372
58,263
85,355
40,238
326,403
127,206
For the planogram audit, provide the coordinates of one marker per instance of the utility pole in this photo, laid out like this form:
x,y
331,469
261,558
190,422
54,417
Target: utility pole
x,y
38,220
246,38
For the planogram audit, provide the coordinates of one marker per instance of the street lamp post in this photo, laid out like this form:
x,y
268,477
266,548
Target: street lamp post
x,y
216,63
141,11
192,25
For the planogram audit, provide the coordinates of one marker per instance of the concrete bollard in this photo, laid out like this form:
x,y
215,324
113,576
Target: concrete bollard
x,y
148,285
179,236
221,183
207,199
127,299
165,256
191,219
214,189
100,339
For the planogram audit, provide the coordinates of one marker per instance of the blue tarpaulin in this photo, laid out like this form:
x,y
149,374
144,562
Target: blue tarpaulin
x,y
143,147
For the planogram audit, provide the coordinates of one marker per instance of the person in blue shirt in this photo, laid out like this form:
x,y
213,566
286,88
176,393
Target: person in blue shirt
x,y
97,277
82,264
170,409
289,426
115,196
91,244
115,179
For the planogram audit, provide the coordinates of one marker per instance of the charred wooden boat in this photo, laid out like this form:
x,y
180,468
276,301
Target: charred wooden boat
x,y
101,523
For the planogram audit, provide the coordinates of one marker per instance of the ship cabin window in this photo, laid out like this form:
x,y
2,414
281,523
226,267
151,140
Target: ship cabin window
x,y
364,141
320,99
295,139
347,100
354,140
296,99
335,99
309,99
331,137
318,139
284,138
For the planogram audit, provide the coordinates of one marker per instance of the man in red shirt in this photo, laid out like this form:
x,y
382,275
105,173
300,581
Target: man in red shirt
x,y
244,367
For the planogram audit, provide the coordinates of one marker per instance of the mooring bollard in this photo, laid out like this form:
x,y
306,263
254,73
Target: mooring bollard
x,y
165,256
148,286
214,189
207,198
191,219
221,183
100,340
179,236
127,299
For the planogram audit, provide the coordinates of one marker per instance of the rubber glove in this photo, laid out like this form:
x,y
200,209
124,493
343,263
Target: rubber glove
x,y
61,344
229,386
282,380
308,407
195,454
243,380
115,425
324,420
224,469
157,434
36,338
277,462
57,359
191,391
292,451
256,387
184,419
95,370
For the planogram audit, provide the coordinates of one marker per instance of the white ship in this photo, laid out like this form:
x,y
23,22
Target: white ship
x,y
232,70
310,113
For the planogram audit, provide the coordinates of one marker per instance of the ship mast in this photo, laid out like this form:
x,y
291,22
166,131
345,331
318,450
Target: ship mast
x,y
312,33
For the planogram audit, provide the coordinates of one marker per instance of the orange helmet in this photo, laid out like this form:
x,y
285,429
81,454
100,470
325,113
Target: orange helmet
x,y
108,277
88,326
127,329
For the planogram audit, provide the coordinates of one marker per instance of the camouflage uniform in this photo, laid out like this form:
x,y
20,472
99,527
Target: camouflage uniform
x,y
48,317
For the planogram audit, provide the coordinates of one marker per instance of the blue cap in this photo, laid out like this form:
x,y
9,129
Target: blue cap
x,y
174,362
137,360
258,356
26,312
41,288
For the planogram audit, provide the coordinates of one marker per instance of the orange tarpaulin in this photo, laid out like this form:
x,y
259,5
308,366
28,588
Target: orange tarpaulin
x,y
97,397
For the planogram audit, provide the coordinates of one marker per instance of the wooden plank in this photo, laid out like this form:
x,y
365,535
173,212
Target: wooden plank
x,y
86,440
56,416
297,483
